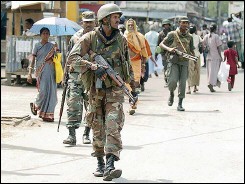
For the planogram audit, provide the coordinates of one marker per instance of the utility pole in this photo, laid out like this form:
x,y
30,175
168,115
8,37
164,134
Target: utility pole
x,y
148,9
218,15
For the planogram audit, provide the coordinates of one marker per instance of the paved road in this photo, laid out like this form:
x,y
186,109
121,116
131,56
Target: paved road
x,y
161,145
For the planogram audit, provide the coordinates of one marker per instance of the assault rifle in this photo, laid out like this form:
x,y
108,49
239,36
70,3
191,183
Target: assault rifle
x,y
63,97
100,61
179,53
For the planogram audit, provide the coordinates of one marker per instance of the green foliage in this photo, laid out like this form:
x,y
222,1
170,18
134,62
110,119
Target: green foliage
x,y
212,8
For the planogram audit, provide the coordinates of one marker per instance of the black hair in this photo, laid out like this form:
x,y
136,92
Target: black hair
x,y
43,29
193,29
230,43
30,21
213,27
229,19
204,25
122,20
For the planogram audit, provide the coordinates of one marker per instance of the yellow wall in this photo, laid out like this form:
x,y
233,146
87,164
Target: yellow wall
x,y
72,10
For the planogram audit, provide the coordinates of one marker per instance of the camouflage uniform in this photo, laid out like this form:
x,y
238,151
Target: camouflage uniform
x,y
178,66
106,104
105,111
75,91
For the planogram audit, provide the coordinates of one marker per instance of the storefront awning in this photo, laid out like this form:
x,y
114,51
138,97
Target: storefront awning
x,y
21,4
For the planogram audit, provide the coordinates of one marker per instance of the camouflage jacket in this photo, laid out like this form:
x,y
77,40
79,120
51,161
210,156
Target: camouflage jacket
x,y
74,39
114,51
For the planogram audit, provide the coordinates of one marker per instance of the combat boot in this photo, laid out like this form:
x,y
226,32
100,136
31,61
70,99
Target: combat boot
x,y
180,108
110,171
142,86
86,139
101,167
71,139
171,98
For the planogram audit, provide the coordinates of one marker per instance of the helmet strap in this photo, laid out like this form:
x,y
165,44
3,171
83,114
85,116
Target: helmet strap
x,y
109,21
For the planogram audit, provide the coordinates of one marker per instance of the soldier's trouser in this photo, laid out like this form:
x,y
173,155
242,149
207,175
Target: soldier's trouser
x,y
107,119
74,101
178,73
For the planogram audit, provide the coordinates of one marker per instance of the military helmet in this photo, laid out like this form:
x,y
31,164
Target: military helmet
x,y
166,21
184,19
108,9
88,16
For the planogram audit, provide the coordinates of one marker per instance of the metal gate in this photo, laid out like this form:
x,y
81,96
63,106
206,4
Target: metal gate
x,y
18,48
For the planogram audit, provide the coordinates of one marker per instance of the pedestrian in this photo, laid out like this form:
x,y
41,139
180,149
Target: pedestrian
x,y
204,32
238,18
121,25
234,33
166,25
144,78
194,73
152,38
28,24
42,57
231,58
106,101
138,54
25,62
213,45
178,66
224,39
75,90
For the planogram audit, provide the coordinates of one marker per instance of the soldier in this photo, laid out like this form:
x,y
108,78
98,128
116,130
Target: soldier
x,y
178,66
75,92
105,103
166,29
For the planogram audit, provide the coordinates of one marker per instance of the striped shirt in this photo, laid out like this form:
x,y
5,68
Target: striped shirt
x,y
233,30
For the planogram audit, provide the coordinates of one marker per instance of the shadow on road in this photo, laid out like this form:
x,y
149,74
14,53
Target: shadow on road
x,y
12,147
123,180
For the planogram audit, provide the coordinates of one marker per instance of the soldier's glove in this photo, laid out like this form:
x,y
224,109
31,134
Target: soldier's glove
x,y
100,72
135,95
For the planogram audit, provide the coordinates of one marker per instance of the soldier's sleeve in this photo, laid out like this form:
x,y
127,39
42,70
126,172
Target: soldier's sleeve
x,y
75,58
168,40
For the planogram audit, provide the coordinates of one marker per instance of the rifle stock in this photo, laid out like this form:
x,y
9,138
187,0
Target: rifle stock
x,y
63,98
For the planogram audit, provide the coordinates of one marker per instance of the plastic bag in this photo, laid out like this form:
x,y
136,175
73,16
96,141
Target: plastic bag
x,y
58,67
223,73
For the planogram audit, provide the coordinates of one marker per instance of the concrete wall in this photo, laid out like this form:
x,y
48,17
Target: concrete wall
x,y
3,52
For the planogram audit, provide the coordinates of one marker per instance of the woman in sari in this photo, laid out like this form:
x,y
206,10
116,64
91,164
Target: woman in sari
x,y
46,98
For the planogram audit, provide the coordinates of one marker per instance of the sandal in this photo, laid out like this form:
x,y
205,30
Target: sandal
x,y
33,110
211,88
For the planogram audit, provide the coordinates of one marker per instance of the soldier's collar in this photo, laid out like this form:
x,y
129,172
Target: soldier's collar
x,y
115,34
180,33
